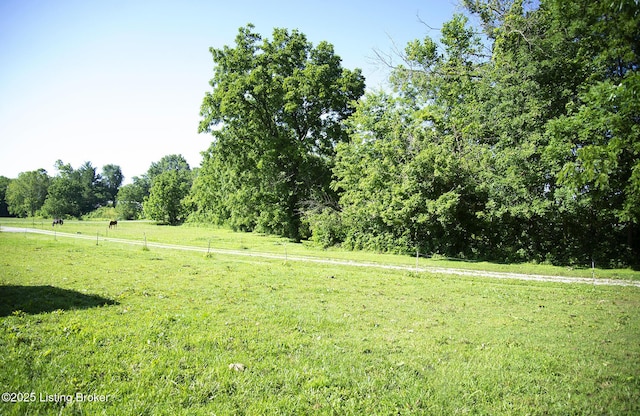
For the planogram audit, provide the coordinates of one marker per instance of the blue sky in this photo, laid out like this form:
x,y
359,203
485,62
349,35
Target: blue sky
x,y
121,82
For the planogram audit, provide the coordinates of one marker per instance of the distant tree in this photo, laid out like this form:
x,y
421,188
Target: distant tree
x,y
75,192
173,162
165,202
276,113
111,180
93,192
130,199
4,207
64,198
169,162
26,194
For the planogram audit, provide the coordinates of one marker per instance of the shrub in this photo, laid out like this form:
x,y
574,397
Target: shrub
x,y
101,213
326,227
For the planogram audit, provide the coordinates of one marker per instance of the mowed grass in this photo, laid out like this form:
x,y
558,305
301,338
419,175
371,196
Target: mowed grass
x,y
154,331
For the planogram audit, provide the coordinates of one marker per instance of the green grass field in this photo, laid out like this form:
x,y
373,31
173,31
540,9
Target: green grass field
x,y
208,236
155,331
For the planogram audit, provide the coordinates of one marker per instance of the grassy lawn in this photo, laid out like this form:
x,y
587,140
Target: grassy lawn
x,y
155,331
221,238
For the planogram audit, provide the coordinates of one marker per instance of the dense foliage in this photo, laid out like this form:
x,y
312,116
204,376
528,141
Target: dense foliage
x,y
515,141
75,192
531,153
166,200
160,193
276,113
72,192
4,207
133,197
26,194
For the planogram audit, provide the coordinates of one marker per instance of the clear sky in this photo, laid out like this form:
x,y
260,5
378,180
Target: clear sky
x,y
121,82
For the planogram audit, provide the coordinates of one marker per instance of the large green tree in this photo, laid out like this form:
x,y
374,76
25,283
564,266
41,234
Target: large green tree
x,y
409,176
142,184
130,198
175,162
276,113
112,178
26,194
525,84
598,137
4,207
565,118
165,202
529,155
74,192
164,190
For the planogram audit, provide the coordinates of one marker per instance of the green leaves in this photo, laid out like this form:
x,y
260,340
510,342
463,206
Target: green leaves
x,y
276,114
165,202
424,53
26,194
528,154
532,155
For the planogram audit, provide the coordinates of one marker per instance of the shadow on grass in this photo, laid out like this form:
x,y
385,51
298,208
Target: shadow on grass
x,y
39,299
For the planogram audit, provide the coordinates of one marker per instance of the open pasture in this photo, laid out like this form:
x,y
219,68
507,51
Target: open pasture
x,y
155,332
204,236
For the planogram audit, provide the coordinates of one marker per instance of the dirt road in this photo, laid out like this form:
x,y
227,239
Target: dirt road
x,y
308,259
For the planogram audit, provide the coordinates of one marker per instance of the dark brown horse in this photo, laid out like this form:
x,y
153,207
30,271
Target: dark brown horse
x,y
113,224
57,221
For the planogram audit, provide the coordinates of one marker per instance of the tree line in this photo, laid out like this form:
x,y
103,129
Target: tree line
x,y
72,192
514,141
156,195
517,140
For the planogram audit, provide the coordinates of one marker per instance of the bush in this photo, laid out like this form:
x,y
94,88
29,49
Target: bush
x,y
102,213
129,210
326,227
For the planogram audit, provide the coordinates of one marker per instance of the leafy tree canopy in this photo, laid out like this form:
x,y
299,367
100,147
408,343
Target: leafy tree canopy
x,y
112,178
75,192
531,153
165,201
4,207
276,113
26,194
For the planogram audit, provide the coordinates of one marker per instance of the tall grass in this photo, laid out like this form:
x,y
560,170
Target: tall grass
x,y
155,332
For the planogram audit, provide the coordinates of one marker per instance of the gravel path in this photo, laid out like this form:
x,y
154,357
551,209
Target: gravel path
x,y
307,259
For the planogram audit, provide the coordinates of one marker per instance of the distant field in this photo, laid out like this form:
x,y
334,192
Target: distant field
x,y
155,332
215,237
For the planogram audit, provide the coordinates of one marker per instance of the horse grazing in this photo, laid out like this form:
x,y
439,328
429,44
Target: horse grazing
x,y
57,221
113,224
